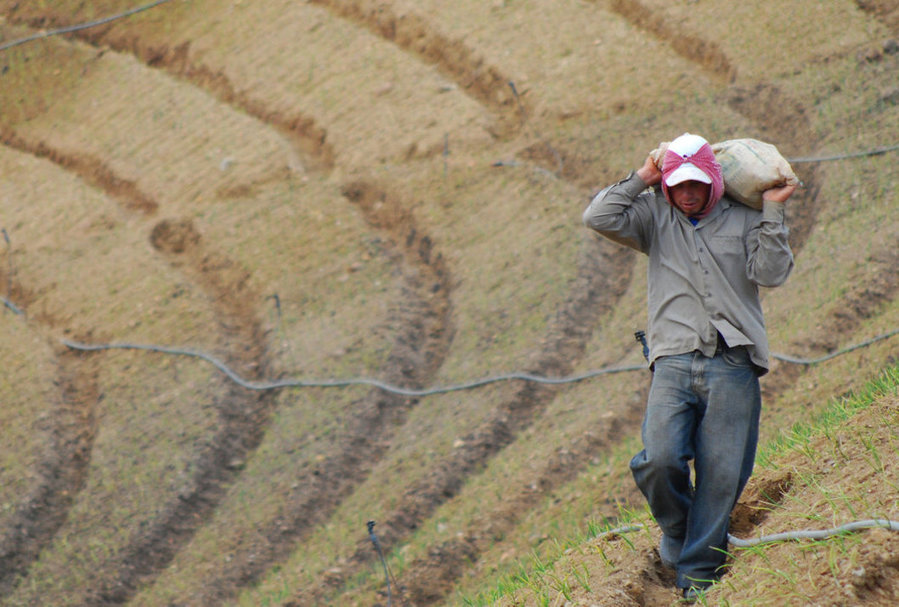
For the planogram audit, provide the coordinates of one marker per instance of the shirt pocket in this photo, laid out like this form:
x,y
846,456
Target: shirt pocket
x,y
726,244
728,251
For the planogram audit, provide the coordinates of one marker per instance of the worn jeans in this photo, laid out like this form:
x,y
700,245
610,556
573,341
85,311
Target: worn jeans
x,y
706,410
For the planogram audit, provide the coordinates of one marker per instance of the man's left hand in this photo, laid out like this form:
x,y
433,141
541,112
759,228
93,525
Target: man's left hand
x,y
779,194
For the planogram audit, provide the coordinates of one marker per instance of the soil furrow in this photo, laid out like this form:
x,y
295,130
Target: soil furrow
x,y
429,580
61,473
862,302
422,318
415,34
308,138
701,51
92,170
423,333
595,292
886,11
243,414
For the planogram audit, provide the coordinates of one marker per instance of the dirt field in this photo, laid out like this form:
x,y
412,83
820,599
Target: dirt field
x,y
392,191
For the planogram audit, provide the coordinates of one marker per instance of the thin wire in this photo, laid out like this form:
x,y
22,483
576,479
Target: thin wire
x,y
332,383
874,152
82,26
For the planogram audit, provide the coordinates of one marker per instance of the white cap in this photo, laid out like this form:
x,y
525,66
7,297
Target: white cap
x,y
687,172
685,146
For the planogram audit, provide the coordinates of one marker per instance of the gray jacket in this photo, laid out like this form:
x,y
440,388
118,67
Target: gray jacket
x,y
703,279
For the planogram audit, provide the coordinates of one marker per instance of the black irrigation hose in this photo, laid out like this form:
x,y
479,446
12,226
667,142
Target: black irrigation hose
x,y
333,383
377,544
81,26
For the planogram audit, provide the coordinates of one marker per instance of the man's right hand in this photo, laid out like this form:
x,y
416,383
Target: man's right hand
x,y
649,172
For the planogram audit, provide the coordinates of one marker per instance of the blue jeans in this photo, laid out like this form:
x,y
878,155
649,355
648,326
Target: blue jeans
x,y
706,410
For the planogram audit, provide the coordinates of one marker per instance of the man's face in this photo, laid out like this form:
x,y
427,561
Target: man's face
x,y
690,196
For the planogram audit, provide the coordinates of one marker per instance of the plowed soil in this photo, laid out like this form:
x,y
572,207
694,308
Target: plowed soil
x,y
391,191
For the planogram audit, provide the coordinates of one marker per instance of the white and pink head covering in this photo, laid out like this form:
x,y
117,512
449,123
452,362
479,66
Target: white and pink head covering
x,y
690,158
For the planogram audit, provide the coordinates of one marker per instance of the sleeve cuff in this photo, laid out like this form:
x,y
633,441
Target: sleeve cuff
x,y
633,185
773,211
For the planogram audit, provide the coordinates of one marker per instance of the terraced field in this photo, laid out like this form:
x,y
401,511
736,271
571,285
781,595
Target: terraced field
x,y
391,190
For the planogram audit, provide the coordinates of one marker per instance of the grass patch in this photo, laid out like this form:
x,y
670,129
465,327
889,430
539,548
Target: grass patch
x,y
798,437
562,568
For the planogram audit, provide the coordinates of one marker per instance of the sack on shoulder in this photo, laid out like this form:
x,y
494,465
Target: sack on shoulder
x,y
749,167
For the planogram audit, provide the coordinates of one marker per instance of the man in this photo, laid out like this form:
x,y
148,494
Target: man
x,y
708,255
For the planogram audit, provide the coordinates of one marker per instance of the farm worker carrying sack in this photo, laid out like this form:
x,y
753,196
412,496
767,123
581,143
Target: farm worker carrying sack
x,y
708,256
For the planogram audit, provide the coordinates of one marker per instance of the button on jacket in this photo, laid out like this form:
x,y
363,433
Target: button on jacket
x,y
703,279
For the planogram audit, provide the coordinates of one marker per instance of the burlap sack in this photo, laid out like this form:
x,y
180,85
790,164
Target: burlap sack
x,y
749,166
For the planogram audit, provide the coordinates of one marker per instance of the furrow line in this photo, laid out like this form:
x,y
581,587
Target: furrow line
x,y
308,138
431,579
61,474
701,51
415,34
91,170
422,317
595,292
886,11
244,414
862,302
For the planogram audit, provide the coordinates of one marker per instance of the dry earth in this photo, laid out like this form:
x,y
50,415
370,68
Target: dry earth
x,y
392,190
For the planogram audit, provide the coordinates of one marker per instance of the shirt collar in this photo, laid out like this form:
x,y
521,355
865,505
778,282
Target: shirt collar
x,y
719,208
